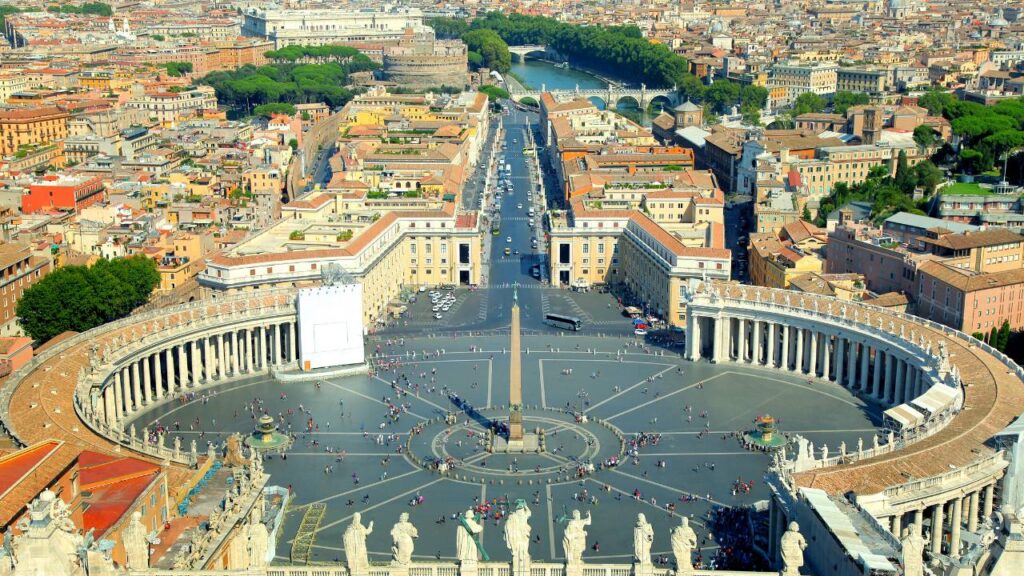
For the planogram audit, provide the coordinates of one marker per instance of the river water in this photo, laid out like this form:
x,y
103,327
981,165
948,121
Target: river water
x,y
538,73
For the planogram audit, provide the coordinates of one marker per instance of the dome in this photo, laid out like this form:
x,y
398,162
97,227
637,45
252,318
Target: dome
x,y
998,20
895,4
717,27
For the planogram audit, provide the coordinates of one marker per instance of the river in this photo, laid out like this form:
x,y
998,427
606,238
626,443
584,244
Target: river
x,y
537,73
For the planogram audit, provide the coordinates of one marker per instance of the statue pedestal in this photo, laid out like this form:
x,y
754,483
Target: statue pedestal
x,y
398,569
574,569
643,569
469,568
520,566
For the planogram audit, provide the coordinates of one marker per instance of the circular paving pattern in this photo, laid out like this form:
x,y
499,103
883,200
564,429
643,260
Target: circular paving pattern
x,y
361,457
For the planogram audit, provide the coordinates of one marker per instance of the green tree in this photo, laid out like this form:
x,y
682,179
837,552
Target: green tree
x,y
904,179
490,47
158,37
177,69
293,144
993,337
755,96
448,28
721,96
1003,337
268,110
79,298
937,102
806,214
972,161
928,176
529,101
751,115
925,136
808,102
843,100
494,92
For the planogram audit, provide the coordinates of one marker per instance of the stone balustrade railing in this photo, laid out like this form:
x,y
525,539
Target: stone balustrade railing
x,y
447,569
912,488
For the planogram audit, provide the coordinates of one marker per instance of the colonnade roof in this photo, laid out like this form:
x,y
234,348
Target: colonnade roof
x,y
50,385
993,397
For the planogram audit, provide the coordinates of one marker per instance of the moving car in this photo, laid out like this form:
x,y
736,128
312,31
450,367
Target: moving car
x,y
508,251
508,240
640,332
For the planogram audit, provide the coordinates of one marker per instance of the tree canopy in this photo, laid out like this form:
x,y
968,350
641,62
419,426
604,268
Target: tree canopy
x,y
494,92
79,298
89,8
268,110
987,132
177,69
887,193
330,53
843,100
249,86
492,49
808,102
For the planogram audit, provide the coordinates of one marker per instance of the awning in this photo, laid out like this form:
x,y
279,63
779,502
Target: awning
x,y
448,198
632,310
937,399
905,416
637,321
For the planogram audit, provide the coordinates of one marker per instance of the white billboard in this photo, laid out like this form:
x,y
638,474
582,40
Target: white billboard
x,y
330,326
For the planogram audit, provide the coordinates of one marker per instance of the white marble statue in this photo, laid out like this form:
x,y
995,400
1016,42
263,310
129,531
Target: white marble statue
x,y
574,541
465,539
354,540
517,533
259,541
49,542
792,546
643,537
683,541
238,552
136,549
403,536
913,552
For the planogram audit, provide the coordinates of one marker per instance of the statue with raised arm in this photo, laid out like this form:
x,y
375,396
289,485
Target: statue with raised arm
x,y
136,549
643,537
465,538
913,552
574,541
403,536
517,534
792,546
683,541
354,540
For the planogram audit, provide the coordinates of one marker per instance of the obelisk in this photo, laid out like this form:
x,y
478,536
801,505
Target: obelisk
x,y
515,385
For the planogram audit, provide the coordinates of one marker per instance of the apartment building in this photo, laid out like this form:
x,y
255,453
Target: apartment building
x,y
19,269
968,300
777,258
870,81
171,107
29,127
800,77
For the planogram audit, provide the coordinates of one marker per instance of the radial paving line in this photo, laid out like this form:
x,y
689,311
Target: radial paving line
x,y
621,392
660,398
361,395
359,489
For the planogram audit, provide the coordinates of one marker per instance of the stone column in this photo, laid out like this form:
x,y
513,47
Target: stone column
x,y
183,371
877,378
772,344
865,358
109,412
897,524
954,525
801,335
209,361
890,378
908,384
118,392
146,380
196,363
851,368
293,350
261,343
755,356
741,340
897,396
158,374
785,347
223,353
813,368
234,353
126,390
937,529
692,337
918,520
169,361
826,356
915,384
133,400
988,503
716,339
840,359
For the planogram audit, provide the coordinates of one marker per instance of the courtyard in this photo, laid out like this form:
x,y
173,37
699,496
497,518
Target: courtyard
x,y
659,432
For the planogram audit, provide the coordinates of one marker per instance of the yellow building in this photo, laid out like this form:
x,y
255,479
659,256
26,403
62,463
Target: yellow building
x,y
31,127
181,261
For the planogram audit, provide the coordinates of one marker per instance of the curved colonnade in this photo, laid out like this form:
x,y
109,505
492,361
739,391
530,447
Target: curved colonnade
x,y
944,469
139,362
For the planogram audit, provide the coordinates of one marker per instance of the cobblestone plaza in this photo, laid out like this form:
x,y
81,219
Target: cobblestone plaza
x,y
358,459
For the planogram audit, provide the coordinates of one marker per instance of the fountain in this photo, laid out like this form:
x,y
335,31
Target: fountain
x,y
266,436
765,436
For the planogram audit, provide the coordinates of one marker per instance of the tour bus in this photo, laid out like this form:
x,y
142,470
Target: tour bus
x,y
562,321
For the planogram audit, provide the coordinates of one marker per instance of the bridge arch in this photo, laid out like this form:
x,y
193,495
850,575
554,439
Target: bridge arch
x,y
659,103
627,99
598,101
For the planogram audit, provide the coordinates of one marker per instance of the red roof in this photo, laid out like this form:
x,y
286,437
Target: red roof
x,y
14,467
794,179
113,484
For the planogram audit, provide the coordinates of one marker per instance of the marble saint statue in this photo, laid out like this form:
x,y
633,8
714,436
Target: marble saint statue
x,y
683,541
517,533
465,538
792,546
259,542
403,536
354,540
913,552
136,549
574,541
643,537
